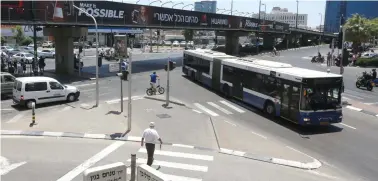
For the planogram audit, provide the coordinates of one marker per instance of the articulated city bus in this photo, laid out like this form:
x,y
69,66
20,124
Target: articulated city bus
x,y
303,96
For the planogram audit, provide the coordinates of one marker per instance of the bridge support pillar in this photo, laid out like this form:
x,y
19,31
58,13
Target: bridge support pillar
x,y
232,43
269,40
64,55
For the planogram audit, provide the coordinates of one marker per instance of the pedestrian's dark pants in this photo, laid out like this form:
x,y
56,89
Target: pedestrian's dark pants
x,y
150,153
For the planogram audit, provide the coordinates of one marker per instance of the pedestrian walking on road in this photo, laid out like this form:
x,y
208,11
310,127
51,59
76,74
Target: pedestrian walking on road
x,y
150,137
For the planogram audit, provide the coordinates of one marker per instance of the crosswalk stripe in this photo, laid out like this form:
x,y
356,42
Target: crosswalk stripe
x,y
173,177
203,108
179,154
219,108
232,106
16,118
173,165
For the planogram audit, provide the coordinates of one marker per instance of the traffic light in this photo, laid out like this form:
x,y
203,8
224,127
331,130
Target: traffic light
x,y
172,65
99,61
340,40
38,29
80,49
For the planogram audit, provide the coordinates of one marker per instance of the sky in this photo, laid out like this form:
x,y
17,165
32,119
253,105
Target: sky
x,y
312,8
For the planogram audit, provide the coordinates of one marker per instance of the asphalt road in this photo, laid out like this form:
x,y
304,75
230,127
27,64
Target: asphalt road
x,y
346,150
46,159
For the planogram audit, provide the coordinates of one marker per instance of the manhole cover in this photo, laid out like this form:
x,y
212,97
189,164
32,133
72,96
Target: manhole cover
x,y
162,116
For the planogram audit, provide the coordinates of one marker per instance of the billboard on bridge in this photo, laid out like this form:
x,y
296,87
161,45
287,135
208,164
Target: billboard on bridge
x,y
114,13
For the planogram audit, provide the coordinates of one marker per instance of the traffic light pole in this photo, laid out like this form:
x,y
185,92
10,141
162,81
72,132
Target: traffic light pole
x,y
342,52
129,94
167,95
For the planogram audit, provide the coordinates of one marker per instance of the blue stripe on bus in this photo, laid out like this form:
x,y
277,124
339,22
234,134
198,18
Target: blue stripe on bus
x,y
321,116
253,100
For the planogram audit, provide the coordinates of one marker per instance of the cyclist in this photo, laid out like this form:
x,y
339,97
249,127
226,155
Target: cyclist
x,y
153,78
274,50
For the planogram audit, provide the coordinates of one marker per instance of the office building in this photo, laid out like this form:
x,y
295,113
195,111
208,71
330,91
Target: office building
x,y
284,16
206,6
335,9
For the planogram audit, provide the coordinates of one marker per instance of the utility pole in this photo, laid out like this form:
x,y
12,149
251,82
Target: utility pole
x,y
232,6
129,89
296,22
342,30
34,40
258,37
167,95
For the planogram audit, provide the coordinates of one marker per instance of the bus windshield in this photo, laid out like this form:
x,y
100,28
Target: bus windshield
x,y
320,98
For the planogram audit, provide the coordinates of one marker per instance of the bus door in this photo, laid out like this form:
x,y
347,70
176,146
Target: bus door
x,y
294,103
216,74
237,85
285,100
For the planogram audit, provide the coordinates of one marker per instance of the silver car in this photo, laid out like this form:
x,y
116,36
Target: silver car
x,y
47,53
7,81
27,57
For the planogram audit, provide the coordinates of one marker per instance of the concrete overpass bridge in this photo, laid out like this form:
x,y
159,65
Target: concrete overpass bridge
x,y
64,22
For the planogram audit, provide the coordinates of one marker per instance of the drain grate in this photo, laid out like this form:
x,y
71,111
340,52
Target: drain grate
x,y
162,116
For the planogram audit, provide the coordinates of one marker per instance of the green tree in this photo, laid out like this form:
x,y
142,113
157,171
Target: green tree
x,y
374,27
18,34
26,41
358,30
188,34
3,41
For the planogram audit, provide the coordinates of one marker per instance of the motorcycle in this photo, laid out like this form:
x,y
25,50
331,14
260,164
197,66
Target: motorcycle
x,y
365,81
316,59
109,55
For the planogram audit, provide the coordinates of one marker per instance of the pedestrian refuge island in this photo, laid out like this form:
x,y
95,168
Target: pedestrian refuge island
x,y
118,172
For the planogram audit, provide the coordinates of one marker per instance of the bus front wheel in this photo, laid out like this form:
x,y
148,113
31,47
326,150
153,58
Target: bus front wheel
x,y
270,109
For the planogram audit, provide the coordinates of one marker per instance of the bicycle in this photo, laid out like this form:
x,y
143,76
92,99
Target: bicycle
x,y
150,91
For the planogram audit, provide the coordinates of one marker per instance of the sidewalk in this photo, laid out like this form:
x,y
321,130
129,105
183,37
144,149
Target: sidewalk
x,y
176,124
367,108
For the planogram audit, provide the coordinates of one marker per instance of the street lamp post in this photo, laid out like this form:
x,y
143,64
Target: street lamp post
x,y
320,31
187,5
97,86
177,4
264,10
166,3
232,5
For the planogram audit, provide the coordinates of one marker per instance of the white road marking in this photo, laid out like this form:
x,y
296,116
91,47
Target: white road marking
x,y
16,118
348,126
7,109
199,112
322,174
229,123
376,115
354,96
205,109
232,106
259,135
174,165
20,136
183,146
300,152
354,108
114,101
82,85
172,177
134,138
180,155
371,103
98,136
91,161
346,98
6,167
219,108
65,109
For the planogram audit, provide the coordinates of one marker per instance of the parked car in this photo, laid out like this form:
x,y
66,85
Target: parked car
x,y
94,44
169,43
182,43
28,49
7,81
27,90
27,57
176,44
368,55
47,53
14,51
6,49
47,44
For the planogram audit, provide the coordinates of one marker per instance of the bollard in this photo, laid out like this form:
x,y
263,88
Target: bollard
x,y
133,167
33,115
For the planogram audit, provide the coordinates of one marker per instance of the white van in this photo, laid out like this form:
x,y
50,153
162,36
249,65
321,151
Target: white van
x,y
27,90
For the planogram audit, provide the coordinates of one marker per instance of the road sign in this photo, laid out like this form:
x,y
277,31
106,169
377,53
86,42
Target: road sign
x,y
114,67
147,173
114,172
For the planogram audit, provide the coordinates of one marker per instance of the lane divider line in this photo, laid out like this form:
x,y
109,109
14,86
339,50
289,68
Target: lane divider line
x,y
354,108
348,126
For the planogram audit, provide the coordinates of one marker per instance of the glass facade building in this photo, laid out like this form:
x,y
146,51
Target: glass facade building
x,y
335,9
206,6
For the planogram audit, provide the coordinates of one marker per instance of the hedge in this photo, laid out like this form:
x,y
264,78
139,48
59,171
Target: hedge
x,y
367,62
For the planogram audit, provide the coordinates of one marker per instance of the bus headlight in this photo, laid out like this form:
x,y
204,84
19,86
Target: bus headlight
x,y
306,119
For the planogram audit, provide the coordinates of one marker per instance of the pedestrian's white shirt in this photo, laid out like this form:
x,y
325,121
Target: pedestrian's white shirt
x,y
150,135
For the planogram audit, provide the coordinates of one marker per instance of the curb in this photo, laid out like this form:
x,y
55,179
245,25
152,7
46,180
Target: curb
x,y
290,49
118,136
290,163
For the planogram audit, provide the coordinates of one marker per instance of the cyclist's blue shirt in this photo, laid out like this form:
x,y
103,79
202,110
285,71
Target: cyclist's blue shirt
x,y
153,78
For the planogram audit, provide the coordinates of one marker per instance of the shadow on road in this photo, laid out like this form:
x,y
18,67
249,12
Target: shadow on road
x,y
304,131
